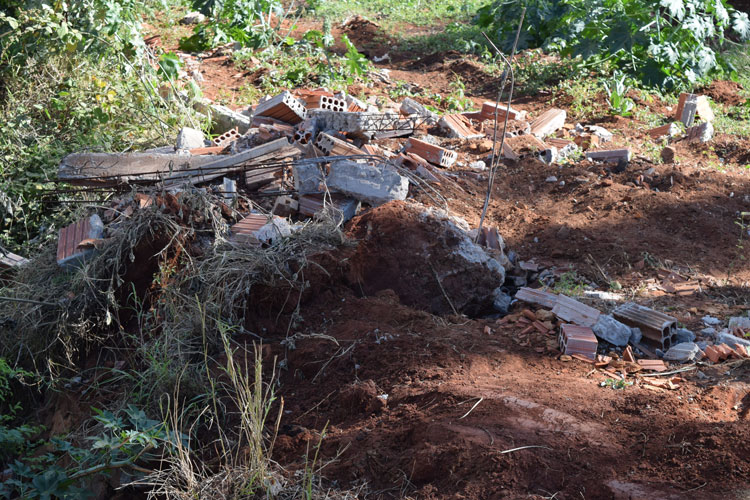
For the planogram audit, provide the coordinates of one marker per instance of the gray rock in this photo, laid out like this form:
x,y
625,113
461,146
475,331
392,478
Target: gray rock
x,y
731,340
193,18
611,330
635,335
684,352
501,301
190,138
371,184
709,332
551,178
710,320
684,335
742,322
601,132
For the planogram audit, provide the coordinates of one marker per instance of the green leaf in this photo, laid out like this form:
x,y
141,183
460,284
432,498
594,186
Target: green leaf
x,y
741,24
169,66
676,8
50,483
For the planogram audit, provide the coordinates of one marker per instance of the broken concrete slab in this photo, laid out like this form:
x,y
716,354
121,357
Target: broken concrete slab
x,y
683,352
700,133
308,177
613,331
548,122
224,119
360,124
76,242
411,107
190,138
372,184
611,156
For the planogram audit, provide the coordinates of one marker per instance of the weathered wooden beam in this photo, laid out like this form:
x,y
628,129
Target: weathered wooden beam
x,y
108,169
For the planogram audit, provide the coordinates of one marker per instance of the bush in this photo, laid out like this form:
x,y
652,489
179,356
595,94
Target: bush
x,y
249,22
72,77
667,43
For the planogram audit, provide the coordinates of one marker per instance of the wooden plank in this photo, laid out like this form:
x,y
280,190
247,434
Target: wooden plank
x,y
110,169
278,149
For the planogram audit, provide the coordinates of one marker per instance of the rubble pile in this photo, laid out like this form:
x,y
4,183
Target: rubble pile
x,y
300,153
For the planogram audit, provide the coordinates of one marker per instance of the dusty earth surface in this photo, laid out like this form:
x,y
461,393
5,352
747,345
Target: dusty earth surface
x,y
427,405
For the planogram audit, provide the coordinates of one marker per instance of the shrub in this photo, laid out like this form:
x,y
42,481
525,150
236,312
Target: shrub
x,y
668,43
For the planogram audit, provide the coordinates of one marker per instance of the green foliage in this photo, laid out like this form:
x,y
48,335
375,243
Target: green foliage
x,y
307,62
619,104
355,62
123,440
670,43
615,384
74,76
570,284
418,12
249,22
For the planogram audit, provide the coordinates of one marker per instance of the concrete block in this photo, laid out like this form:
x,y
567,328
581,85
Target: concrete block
x,y
371,184
190,138
284,107
307,177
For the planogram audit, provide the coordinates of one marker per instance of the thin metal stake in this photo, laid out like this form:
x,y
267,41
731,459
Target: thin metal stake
x,y
495,159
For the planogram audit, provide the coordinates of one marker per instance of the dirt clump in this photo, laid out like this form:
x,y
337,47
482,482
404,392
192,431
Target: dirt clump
x,y
726,92
425,256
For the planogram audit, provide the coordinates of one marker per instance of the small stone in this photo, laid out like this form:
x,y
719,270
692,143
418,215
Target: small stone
x,y
478,165
551,178
684,335
711,321
193,18
667,154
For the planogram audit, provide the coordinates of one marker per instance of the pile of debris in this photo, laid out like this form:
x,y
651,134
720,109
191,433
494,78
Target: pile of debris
x,y
633,337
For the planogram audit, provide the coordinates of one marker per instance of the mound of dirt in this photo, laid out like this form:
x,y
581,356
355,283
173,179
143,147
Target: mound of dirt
x,y
426,257
725,91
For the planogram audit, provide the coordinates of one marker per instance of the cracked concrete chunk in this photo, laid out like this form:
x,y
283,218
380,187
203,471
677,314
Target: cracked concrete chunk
x,y
371,184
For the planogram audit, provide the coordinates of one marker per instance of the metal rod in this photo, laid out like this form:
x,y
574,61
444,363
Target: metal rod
x,y
494,159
